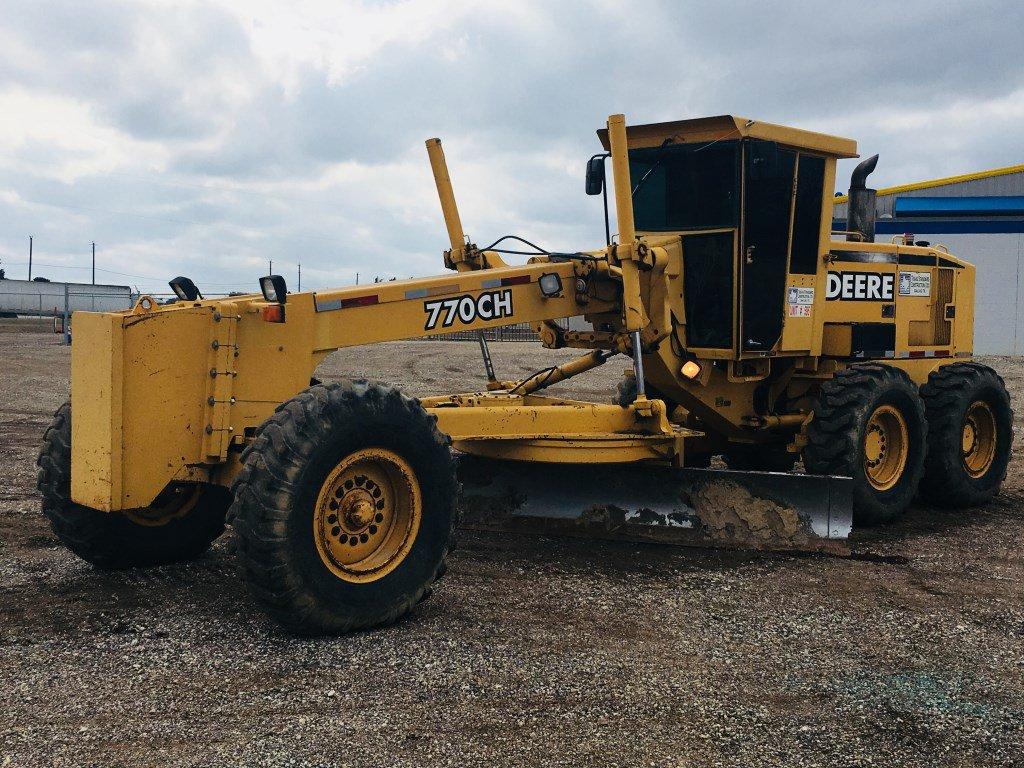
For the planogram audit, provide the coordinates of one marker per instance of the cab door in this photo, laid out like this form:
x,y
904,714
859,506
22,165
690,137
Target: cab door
x,y
769,184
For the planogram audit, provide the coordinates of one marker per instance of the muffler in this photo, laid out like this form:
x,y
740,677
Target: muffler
x,y
860,217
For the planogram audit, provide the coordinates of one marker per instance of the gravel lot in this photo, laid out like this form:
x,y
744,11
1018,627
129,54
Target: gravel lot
x,y
533,651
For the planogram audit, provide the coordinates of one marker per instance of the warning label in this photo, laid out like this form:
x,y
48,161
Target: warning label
x,y
799,310
800,296
915,283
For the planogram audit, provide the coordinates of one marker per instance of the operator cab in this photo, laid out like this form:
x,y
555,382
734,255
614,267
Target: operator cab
x,y
752,203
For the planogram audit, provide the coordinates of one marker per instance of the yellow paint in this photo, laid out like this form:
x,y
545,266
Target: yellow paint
x,y
169,394
367,515
96,403
449,209
733,127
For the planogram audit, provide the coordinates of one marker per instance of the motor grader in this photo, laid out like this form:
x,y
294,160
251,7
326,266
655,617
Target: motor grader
x,y
753,333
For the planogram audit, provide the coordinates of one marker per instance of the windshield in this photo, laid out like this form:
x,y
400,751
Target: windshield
x,y
693,186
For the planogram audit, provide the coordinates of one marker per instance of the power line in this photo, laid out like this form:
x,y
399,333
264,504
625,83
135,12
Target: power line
x,y
121,274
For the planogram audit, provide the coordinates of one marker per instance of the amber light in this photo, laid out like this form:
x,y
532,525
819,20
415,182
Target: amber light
x,y
274,313
690,369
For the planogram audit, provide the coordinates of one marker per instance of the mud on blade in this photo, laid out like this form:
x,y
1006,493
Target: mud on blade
x,y
698,507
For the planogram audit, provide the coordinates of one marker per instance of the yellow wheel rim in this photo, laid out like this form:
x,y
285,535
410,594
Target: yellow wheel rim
x,y
886,446
978,442
367,515
174,501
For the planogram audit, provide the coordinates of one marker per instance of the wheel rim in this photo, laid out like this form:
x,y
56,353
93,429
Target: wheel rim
x,y
978,440
367,515
886,446
174,501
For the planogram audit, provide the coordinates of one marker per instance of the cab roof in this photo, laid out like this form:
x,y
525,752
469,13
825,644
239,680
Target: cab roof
x,y
733,127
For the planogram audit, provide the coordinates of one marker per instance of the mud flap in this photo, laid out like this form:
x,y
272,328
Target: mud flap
x,y
695,507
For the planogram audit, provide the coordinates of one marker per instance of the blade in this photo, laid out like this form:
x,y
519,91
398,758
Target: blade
x,y
698,507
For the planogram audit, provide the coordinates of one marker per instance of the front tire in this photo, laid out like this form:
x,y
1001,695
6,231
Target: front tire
x,y
970,435
345,508
179,526
869,424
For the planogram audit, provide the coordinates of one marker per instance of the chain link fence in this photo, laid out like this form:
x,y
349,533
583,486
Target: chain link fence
x,y
59,300
516,332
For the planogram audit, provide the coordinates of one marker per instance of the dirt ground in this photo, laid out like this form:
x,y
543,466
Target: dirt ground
x,y
533,651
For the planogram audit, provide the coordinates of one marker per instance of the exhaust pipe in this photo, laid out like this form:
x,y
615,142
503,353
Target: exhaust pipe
x,y
860,217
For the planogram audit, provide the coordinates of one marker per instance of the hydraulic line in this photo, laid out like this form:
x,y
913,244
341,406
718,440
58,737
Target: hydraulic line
x,y
555,374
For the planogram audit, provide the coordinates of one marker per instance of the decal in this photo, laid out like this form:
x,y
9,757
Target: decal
x,y
799,310
915,283
798,295
467,308
859,286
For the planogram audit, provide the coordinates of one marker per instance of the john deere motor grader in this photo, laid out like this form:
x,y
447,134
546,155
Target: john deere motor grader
x,y
752,334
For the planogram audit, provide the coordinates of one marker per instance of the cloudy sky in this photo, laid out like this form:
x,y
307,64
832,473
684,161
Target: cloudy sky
x,y
209,138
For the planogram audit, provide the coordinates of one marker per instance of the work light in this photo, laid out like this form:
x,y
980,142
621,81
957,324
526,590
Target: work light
x,y
690,369
550,284
274,288
185,289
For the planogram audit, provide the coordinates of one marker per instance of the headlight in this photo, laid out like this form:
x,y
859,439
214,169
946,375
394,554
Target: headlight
x,y
550,284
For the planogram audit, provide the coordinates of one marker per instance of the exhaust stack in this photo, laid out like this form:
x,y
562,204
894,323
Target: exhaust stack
x,y
860,215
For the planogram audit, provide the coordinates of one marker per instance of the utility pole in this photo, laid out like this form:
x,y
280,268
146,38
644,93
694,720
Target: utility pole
x,y
300,277
357,278
94,263
270,268
30,258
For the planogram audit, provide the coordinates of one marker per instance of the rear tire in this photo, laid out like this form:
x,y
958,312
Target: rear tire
x,y
158,535
970,435
345,508
869,424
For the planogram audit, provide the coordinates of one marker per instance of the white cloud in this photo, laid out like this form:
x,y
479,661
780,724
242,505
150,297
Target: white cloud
x,y
209,138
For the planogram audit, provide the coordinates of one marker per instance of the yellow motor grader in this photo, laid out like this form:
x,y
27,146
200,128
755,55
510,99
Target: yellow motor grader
x,y
753,332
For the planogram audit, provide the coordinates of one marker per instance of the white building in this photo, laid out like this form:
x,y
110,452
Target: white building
x,y
33,297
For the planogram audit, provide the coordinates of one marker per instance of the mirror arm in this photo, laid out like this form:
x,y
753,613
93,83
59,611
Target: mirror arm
x,y
602,156
607,223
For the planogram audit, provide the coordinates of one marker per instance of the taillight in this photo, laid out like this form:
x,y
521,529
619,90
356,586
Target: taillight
x,y
273,313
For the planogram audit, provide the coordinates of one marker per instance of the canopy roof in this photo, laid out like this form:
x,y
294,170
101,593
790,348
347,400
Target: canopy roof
x,y
733,127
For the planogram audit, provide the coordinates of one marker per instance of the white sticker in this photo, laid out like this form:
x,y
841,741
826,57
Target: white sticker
x,y
799,310
915,283
802,296
466,309
859,286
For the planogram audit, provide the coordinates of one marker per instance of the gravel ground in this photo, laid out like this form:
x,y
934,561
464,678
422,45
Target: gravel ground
x,y
533,651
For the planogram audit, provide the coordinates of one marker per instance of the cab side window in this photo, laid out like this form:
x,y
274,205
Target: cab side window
x,y
807,217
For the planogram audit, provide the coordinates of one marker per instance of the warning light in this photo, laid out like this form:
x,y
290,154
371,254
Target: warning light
x,y
690,369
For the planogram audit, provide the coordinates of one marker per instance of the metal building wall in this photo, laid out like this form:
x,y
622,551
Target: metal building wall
x,y
1007,184
999,293
26,297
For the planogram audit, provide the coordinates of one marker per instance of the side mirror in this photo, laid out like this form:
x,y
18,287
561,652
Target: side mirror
x,y
595,175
